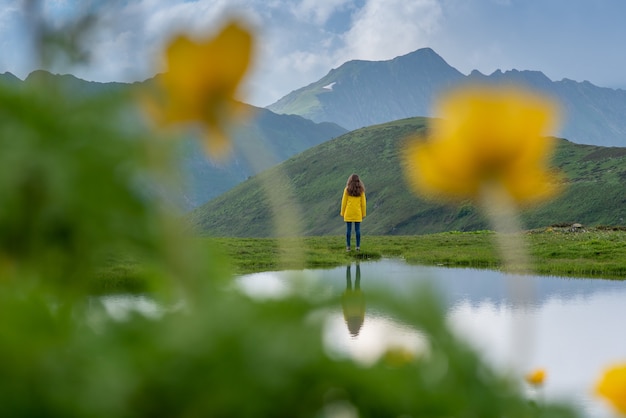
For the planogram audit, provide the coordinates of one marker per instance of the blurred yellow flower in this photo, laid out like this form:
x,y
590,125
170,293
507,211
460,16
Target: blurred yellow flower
x,y
536,377
612,386
397,356
487,136
201,82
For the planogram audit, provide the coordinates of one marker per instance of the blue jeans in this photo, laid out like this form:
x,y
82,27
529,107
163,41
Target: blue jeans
x,y
357,230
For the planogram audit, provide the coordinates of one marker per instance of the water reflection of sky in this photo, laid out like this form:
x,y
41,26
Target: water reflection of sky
x,y
571,327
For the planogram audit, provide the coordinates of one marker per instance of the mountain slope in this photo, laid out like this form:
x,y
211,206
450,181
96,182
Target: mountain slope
x,y
594,193
261,141
364,93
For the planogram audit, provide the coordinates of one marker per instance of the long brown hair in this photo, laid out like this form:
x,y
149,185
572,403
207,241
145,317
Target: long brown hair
x,y
355,186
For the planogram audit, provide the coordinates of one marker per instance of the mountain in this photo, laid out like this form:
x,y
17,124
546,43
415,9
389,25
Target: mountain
x,y
259,142
593,196
364,93
9,79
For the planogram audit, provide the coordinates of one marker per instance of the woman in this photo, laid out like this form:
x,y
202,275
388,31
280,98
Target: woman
x,y
353,209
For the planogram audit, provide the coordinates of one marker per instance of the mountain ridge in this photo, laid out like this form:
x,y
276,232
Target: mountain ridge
x,y
365,93
259,142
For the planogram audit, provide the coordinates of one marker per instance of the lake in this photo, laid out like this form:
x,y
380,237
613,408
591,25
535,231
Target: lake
x,y
573,328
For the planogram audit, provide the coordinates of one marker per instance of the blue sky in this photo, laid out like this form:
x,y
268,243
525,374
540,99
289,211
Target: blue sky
x,y
299,41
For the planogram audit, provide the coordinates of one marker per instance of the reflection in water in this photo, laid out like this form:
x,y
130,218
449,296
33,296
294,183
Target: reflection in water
x,y
577,323
353,302
120,307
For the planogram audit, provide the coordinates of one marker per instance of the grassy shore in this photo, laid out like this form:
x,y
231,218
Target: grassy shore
x,y
594,253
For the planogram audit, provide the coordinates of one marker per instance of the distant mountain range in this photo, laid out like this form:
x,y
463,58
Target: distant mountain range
x,y
365,93
259,142
360,94
594,192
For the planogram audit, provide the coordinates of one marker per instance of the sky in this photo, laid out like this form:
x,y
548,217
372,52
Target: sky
x,y
297,42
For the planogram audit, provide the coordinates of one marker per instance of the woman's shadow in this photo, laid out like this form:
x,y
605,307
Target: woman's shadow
x,y
353,302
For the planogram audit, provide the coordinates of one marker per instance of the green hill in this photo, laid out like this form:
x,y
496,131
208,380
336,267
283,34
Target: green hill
x,y
593,196
259,143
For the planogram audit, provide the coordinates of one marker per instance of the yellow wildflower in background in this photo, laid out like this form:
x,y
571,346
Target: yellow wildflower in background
x,y
536,377
486,137
397,356
489,145
612,387
201,83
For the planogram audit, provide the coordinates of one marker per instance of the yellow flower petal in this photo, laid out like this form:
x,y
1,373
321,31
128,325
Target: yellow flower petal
x,y
536,377
612,387
397,356
485,135
201,83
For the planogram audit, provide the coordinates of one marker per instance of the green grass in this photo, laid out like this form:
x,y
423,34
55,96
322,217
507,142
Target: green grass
x,y
595,253
599,252
555,251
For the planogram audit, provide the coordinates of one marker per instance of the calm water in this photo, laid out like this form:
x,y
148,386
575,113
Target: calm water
x,y
571,327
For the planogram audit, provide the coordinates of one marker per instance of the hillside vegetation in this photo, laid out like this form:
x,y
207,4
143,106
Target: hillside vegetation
x,y
259,143
593,194
564,252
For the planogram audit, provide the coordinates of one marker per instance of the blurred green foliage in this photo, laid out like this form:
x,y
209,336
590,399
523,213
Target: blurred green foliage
x,y
83,188
76,185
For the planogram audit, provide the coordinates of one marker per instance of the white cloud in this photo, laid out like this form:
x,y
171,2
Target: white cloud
x,y
299,41
318,10
193,17
131,38
16,41
384,29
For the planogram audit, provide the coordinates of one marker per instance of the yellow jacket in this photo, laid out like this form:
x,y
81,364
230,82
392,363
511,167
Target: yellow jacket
x,y
353,208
